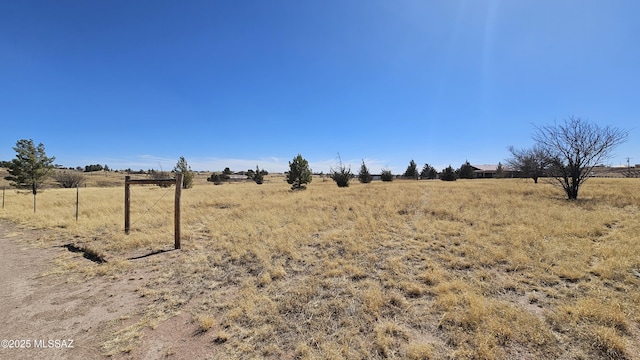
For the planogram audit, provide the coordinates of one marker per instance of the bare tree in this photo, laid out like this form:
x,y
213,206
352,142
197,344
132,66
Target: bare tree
x,y
69,179
531,162
574,148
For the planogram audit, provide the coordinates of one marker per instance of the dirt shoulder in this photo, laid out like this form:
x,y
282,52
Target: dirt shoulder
x,y
47,312
53,315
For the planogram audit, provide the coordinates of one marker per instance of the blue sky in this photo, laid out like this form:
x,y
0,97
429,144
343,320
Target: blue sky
x,y
137,84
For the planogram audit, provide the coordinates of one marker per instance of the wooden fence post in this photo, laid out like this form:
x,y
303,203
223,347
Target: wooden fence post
x,y
176,217
127,198
177,210
77,200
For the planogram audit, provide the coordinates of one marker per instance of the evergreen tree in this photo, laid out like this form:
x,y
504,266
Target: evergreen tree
x,y
499,171
466,171
412,171
299,173
187,175
364,176
428,172
448,174
30,168
258,176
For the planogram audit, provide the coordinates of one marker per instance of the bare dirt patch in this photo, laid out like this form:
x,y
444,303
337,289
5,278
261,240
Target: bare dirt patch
x,y
38,303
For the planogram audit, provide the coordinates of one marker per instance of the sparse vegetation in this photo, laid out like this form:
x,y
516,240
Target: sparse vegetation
x,y
488,269
159,175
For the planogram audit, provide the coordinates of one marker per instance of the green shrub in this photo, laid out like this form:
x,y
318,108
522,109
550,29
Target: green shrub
x,y
299,173
448,174
386,175
364,176
341,174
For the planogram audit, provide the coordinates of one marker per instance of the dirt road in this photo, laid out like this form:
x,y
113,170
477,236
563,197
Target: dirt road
x,y
55,316
46,313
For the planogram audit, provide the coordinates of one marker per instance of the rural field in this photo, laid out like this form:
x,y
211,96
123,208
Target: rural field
x,y
471,269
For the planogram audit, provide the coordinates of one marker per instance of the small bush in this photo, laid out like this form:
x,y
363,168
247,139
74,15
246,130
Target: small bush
x,y
258,176
205,323
342,174
215,178
386,175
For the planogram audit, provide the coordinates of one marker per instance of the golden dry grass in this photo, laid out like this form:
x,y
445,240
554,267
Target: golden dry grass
x,y
488,269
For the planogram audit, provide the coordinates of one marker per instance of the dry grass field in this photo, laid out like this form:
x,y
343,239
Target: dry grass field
x,y
479,269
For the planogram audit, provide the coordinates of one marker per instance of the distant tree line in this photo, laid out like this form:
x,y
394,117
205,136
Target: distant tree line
x,y
96,167
564,152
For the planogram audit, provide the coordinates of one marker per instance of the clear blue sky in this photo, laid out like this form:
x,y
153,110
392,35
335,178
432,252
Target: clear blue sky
x,y
238,83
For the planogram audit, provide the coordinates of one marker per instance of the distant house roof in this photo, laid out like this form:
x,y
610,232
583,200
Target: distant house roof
x,y
490,168
485,167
